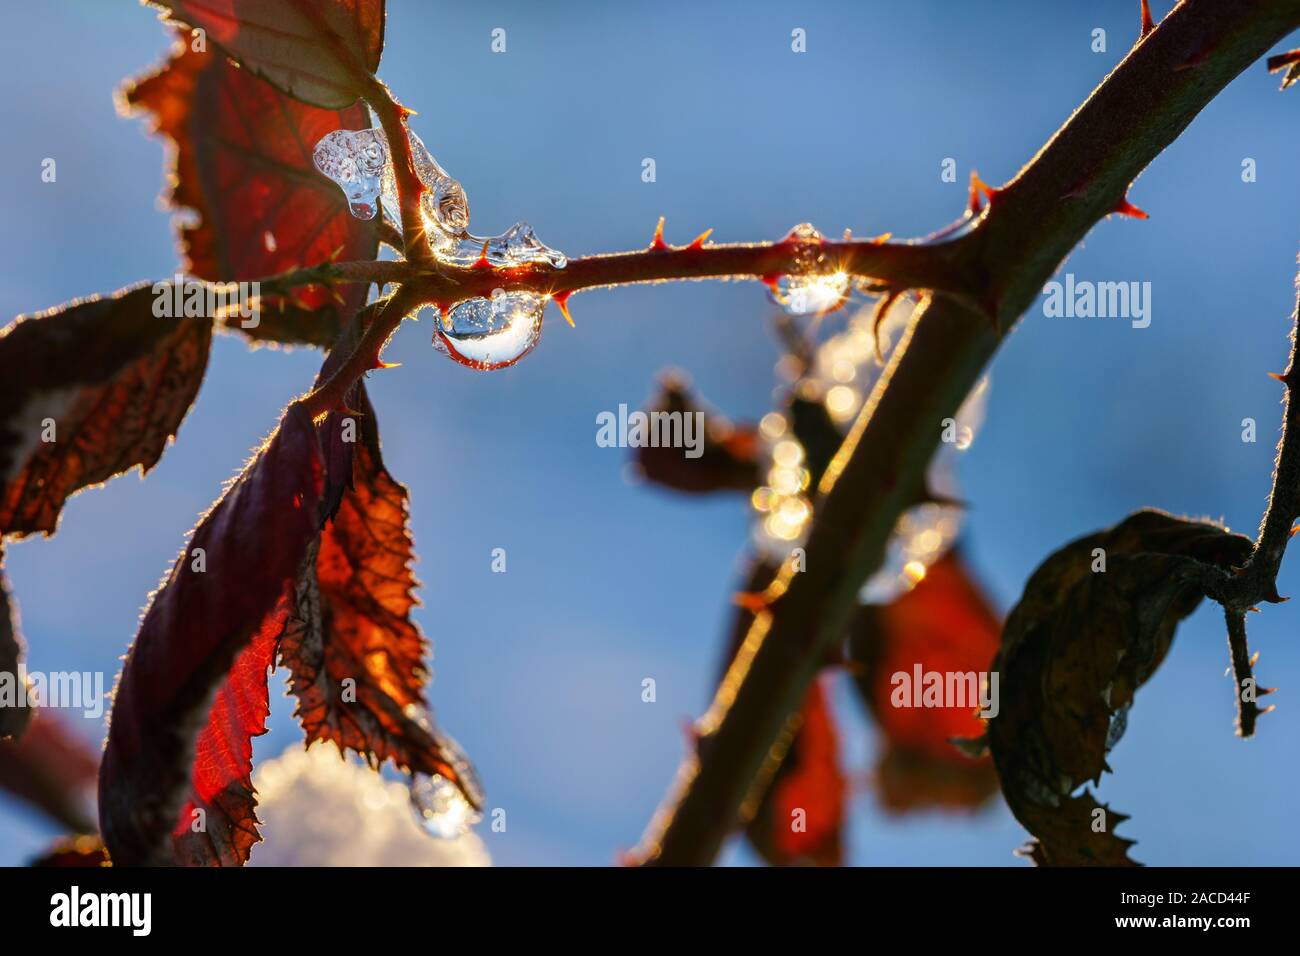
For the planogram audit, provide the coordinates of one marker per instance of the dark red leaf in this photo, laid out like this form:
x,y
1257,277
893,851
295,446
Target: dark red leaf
x,y
114,379
171,742
727,459
946,625
52,769
242,161
315,50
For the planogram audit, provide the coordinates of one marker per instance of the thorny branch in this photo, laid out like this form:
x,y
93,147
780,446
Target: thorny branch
x,y
1256,581
1081,175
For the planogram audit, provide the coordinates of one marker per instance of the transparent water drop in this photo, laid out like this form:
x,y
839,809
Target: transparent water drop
x,y
357,160
492,333
811,294
1118,724
815,284
516,246
440,808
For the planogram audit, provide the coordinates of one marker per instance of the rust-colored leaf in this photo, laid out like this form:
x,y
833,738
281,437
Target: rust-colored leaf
x,y
801,816
943,625
726,458
317,51
87,391
356,657
241,160
1074,652
193,688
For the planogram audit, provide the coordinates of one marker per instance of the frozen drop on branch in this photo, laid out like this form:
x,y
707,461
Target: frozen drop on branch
x,y
479,333
491,333
816,284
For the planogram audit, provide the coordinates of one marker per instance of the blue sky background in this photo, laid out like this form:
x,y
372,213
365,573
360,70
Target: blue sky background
x,y
538,671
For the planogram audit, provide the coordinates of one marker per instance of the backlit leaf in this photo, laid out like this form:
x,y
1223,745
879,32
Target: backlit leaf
x,y
314,50
1074,652
193,688
943,625
87,391
241,160
356,657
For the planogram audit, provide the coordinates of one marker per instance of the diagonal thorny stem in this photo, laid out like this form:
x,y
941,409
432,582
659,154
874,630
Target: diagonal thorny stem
x,y
1077,178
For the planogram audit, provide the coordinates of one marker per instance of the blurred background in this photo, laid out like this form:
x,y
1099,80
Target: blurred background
x,y
539,670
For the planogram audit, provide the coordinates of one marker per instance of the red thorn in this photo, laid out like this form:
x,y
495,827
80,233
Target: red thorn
x,y
773,281
755,602
562,300
482,261
698,241
1147,23
881,239
1280,378
657,244
978,185
1294,531
973,205
381,364
444,316
1126,208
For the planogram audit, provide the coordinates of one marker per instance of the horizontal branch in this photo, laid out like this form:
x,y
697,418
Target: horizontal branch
x,y
944,266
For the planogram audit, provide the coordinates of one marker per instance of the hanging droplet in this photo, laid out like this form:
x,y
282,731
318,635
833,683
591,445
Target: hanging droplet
x,y
357,160
814,283
811,294
440,808
492,333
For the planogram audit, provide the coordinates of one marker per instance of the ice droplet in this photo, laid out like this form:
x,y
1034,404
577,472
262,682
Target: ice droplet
x,y
1118,724
814,284
440,808
492,333
357,160
514,247
480,333
811,295
443,203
